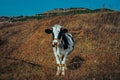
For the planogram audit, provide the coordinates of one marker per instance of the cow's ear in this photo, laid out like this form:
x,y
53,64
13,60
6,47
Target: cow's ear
x,y
64,30
48,31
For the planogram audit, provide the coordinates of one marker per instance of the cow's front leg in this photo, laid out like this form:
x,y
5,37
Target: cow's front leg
x,y
63,69
58,70
56,51
58,65
64,65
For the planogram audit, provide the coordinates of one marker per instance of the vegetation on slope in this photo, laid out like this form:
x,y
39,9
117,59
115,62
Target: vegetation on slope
x,y
26,52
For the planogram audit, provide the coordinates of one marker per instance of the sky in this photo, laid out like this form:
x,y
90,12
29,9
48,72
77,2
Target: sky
x,y
32,7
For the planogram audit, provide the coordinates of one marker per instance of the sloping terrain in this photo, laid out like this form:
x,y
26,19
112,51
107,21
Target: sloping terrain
x,y
26,52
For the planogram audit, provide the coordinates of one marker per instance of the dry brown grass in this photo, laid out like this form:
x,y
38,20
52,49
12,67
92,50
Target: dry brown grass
x,y
24,45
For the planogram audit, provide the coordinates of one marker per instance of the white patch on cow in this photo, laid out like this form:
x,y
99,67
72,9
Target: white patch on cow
x,y
56,30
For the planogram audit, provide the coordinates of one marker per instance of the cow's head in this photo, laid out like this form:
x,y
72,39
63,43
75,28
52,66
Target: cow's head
x,y
57,31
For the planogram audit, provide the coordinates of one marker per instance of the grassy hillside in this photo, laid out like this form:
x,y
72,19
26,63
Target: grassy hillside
x,y
26,52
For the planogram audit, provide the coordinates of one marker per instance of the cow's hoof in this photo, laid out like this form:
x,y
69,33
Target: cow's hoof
x,y
63,73
58,73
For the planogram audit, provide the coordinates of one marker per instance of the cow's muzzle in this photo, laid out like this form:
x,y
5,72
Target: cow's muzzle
x,y
55,42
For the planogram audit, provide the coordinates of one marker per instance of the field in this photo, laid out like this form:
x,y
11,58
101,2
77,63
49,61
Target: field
x,y
26,52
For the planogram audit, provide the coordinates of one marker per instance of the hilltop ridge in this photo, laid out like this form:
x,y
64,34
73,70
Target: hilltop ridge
x,y
55,12
61,10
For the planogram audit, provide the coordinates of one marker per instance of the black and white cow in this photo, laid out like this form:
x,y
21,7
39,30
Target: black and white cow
x,y
62,44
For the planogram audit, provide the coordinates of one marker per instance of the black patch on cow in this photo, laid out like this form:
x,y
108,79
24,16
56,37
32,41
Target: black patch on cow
x,y
52,35
64,41
72,39
60,34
